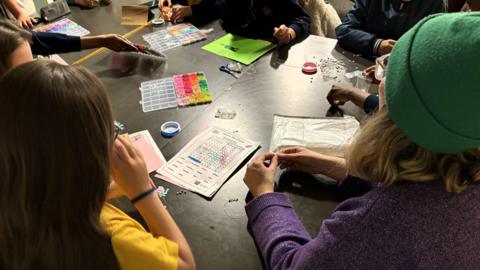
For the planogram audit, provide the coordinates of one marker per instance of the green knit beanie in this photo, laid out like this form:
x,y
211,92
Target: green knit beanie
x,y
432,88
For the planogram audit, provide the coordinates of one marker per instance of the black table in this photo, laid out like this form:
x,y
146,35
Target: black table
x,y
216,228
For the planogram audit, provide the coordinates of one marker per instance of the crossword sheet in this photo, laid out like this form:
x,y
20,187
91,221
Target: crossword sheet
x,y
208,160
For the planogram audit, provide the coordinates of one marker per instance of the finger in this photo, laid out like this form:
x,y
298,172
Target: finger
x,y
259,161
30,22
275,30
118,158
287,157
120,150
369,69
128,147
284,34
138,154
266,156
174,17
290,150
273,162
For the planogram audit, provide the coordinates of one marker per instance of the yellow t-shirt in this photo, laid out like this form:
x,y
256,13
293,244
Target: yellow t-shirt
x,y
134,247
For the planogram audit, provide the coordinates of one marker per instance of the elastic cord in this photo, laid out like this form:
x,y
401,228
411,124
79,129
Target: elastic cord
x,y
143,195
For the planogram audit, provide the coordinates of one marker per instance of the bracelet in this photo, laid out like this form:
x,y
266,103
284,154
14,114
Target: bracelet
x,y
143,195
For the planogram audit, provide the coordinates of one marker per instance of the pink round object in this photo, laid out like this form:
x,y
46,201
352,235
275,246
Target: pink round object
x,y
309,68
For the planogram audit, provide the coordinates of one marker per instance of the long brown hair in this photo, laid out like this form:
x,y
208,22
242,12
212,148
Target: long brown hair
x,y
382,153
56,135
11,37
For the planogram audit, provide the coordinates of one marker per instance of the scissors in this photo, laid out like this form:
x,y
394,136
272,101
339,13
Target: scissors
x,y
229,71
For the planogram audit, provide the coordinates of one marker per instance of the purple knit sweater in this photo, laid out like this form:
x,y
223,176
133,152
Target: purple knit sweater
x,y
405,226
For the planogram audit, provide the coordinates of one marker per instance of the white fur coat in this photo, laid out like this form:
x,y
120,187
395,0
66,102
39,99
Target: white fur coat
x,y
324,17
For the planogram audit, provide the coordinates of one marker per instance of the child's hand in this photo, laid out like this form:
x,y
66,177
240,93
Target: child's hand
x,y
340,94
299,159
386,46
369,73
128,169
284,34
260,178
179,12
25,21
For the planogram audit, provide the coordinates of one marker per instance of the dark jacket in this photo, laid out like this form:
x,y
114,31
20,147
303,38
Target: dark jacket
x,y
257,21
52,43
371,21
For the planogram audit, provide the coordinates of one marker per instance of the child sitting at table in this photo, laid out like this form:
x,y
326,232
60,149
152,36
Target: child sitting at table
x,y
372,27
283,20
342,93
18,44
60,159
10,9
422,151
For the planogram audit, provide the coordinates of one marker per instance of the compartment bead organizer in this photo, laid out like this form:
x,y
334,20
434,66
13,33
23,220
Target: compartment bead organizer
x,y
192,89
65,26
180,90
174,36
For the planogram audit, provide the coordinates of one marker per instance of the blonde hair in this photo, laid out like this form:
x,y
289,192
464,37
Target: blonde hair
x,y
382,153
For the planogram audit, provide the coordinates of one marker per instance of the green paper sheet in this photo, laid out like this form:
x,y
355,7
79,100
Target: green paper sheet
x,y
240,49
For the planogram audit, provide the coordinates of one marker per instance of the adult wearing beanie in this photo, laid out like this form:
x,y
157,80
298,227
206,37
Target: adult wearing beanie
x,y
421,151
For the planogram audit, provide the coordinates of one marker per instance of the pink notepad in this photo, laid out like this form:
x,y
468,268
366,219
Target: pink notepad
x,y
144,142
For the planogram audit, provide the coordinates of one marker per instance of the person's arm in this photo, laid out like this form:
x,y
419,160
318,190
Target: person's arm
x,y
305,160
342,93
52,43
130,173
297,18
351,34
161,223
284,242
